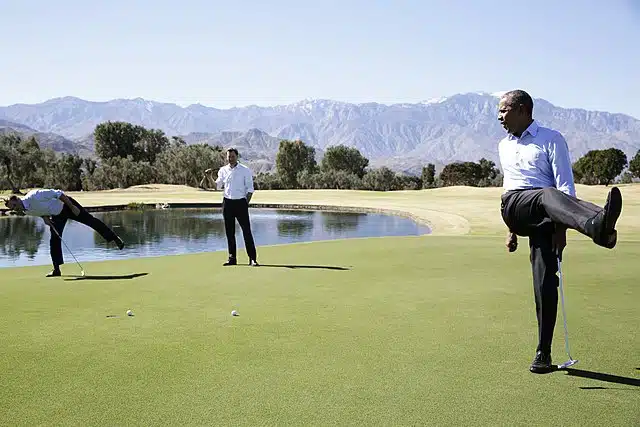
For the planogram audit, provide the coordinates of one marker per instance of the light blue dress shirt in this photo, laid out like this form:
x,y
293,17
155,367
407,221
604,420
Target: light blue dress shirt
x,y
44,202
538,159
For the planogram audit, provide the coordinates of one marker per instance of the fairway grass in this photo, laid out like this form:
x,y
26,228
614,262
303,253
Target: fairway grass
x,y
431,330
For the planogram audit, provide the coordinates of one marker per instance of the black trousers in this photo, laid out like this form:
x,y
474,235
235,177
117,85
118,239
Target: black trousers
x,y
535,213
59,221
233,209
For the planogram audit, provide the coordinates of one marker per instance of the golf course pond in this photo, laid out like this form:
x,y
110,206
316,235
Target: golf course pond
x,y
155,232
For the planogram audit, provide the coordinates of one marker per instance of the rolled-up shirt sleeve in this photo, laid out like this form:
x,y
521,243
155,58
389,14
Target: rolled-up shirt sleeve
x,y
561,165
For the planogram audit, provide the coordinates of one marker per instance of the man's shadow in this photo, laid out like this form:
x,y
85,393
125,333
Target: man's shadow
x,y
297,266
107,277
601,377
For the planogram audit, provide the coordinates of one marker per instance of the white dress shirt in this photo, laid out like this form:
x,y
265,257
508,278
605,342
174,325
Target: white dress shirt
x,y
236,181
538,159
43,202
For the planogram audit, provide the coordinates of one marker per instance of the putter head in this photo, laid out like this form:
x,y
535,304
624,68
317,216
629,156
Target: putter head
x,y
568,363
82,273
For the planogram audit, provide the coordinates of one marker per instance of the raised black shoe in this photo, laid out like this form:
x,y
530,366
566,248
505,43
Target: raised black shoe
x,y
231,261
604,224
541,363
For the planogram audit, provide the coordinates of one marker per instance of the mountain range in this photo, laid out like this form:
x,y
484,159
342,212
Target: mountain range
x,y
403,136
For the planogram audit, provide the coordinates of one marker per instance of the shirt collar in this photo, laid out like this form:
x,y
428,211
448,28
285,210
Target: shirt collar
x,y
531,130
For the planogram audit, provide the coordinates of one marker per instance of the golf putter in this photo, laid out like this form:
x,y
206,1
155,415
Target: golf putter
x,y
65,245
571,360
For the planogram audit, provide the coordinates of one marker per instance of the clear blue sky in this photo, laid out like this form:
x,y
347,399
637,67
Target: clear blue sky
x,y
573,53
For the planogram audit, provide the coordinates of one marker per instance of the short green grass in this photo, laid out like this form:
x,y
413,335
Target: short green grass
x,y
420,331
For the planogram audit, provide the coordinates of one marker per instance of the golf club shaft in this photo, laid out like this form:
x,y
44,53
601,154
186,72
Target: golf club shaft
x,y
564,313
65,245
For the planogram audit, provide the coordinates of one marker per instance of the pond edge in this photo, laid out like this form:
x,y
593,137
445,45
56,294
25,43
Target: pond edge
x,y
293,206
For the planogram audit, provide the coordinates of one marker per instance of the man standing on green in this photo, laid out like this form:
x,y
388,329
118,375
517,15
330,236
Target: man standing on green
x,y
237,181
539,201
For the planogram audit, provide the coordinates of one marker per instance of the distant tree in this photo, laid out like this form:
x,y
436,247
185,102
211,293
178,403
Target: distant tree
x,y
267,181
177,141
8,157
294,157
343,158
65,173
185,164
462,173
600,166
120,172
634,165
429,176
150,145
30,163
89,166
626,178
122,139
489,173
382,179
329,179
117,139
407,182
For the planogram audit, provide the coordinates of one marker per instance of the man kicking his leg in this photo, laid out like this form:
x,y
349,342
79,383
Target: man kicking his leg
x,y
237,181
540,202
56,208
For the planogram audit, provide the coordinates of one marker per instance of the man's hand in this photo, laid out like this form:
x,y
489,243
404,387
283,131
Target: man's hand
x,y
512,242
559,240
47,220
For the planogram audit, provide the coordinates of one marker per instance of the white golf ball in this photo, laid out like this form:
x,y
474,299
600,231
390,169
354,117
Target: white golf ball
x,y
234,313
129,313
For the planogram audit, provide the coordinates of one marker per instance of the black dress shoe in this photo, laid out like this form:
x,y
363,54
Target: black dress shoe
x,y
54,273
231,261
542,363
604,224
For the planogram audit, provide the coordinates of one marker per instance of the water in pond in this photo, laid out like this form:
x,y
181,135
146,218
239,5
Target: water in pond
x,y
156,232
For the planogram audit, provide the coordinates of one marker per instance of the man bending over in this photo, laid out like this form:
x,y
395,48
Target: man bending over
x,y
56,208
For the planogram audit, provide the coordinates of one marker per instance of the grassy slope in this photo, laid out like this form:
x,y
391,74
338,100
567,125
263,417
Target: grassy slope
x,y
404,337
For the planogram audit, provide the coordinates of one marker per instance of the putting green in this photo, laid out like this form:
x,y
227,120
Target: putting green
x,y
432,330
423,330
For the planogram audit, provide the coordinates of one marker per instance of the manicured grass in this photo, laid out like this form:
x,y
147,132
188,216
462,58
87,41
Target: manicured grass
x,y
420,331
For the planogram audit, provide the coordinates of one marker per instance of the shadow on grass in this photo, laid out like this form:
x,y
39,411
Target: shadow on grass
x,y
107,277
296,266
601,377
